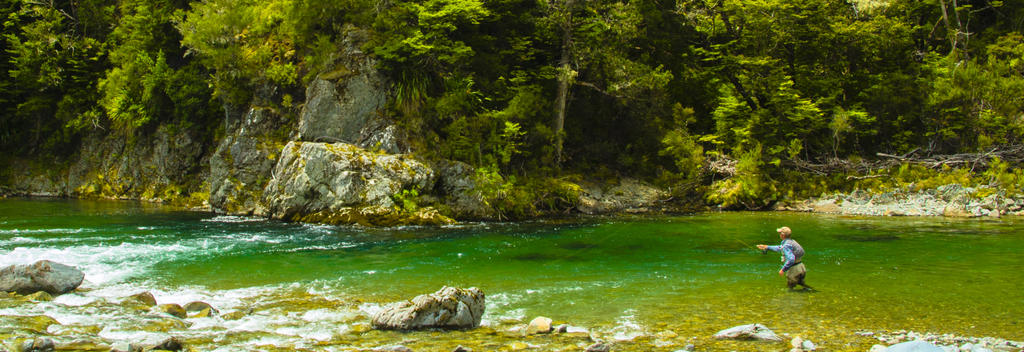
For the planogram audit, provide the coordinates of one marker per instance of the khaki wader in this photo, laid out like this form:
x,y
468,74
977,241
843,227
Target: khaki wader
x,y
795,275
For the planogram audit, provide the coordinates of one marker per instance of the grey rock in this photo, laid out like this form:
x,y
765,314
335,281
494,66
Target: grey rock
x,y
448,308
346,102
44,275
748,332
914,346
462,349
316,178
393,348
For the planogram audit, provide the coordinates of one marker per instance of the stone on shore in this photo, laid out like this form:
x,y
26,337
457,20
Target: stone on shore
x,y
748,332
448,308
44,275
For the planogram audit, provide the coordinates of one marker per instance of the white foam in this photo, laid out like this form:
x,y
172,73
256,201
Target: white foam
x,y
627,329
42,231
74,299
230,219
327,315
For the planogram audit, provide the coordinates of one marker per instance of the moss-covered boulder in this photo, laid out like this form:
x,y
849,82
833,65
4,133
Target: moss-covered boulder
x,y
340,183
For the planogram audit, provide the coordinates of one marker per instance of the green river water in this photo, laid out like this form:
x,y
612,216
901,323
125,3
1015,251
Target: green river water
x,y
642,283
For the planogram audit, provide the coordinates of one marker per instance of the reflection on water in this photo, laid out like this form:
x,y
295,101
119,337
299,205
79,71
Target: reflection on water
x,y
650,283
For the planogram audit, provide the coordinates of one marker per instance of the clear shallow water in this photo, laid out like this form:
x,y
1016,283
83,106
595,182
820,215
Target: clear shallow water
x,y
653,283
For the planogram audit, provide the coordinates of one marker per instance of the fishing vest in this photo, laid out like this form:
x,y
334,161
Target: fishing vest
x,y
798,251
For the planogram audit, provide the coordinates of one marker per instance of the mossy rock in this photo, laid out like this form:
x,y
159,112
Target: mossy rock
x,y
204,313
163,325
39,324
83,345
234,315
144,298
172,309
40,296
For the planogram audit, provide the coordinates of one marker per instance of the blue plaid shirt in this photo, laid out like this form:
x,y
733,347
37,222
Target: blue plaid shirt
x,y
792,253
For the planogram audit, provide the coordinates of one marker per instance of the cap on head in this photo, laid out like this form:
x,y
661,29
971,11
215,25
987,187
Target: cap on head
x,y
784,231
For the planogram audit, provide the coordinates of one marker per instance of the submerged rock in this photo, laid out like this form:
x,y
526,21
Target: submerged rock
x,y
172,309
748,332
448,308
145,298
198,306
44,275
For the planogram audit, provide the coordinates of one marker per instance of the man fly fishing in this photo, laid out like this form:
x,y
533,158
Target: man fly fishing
x,y
792,258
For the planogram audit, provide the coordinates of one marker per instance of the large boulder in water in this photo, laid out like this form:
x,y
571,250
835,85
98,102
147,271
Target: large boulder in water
x,y
44,275
448,308
748,332
344,184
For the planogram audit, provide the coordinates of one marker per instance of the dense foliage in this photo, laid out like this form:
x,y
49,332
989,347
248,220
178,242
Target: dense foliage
x,y
528,88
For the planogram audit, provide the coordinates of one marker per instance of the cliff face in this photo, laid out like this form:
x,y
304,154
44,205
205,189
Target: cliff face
x,y
342,160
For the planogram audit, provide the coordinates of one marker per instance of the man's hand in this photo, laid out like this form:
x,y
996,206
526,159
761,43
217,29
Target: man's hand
x,y
762,246
781,272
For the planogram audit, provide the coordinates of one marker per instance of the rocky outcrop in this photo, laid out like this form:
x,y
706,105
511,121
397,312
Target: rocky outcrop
x,y
241,166
41,276
748,332
346,103
629,195
340,183
948,200
160,165
448,308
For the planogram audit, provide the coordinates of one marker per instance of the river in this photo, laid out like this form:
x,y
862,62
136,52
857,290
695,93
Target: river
x,y
651,283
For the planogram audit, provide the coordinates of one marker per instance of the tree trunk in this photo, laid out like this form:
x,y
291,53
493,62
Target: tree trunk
x,y
564,78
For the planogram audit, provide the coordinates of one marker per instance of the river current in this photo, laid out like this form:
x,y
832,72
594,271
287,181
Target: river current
x,y
642,283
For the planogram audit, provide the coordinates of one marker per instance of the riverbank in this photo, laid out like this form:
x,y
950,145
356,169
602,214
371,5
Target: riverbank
x,y
951,200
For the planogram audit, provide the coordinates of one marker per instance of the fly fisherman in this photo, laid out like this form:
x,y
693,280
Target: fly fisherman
x,y
792,255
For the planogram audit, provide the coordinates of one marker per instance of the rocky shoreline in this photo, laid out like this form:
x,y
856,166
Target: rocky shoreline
x,y
450,315
948,200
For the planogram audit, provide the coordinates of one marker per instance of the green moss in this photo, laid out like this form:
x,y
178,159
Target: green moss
x,y
372,216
